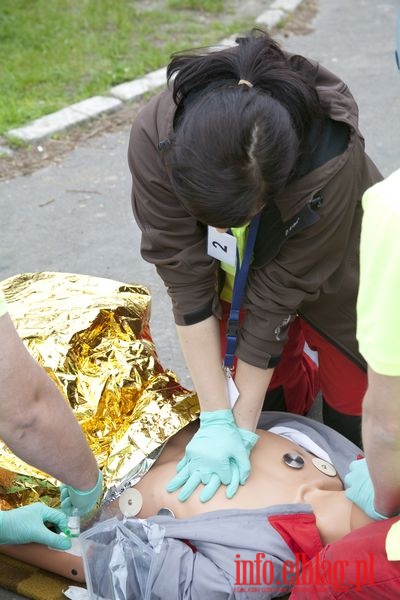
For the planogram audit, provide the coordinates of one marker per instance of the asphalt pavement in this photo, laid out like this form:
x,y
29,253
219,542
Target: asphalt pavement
x,y
76,217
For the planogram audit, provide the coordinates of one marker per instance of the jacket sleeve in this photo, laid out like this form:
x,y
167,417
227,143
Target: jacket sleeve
x,y
171,239
181,574
316,268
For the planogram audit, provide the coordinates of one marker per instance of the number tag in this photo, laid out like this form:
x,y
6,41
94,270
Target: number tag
x,y
221,246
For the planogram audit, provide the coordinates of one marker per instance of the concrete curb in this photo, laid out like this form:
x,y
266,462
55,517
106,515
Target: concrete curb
x,y
84,111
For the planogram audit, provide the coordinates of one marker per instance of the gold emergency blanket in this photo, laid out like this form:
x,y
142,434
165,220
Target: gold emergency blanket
x,y
92,336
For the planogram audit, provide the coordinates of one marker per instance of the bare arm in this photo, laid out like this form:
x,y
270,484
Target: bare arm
x,y
36,422
381,437
252,384
201,348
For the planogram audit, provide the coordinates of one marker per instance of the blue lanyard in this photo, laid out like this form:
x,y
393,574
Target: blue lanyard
x,y
397,51
239,287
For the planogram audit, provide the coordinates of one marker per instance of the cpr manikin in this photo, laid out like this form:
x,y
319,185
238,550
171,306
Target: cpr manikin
x,y
288,486
275,479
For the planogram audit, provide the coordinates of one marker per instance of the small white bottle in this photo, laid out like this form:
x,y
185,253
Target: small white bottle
x,y
74,523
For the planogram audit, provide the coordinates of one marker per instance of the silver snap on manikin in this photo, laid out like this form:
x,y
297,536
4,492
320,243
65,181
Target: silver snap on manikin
x,y
166,512
293,460
324,467
130,502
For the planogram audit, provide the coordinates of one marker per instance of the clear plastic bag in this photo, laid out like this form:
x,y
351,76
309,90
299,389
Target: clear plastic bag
x,y
120,558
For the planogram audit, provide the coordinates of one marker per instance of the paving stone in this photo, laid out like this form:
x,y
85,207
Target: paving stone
x,y
271,18
62,119
286,5
136,88
97,105
130,89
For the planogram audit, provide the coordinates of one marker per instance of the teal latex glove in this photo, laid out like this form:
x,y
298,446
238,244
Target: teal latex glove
x,y
27,524
249,438
359,488
216,455
85,502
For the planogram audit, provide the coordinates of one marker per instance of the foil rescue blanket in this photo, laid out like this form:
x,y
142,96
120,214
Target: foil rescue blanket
x,y
92,336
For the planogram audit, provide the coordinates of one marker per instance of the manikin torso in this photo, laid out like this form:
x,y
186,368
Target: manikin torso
x,y
271,482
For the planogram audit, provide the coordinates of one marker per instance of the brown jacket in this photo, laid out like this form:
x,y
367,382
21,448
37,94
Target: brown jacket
x,y
306,256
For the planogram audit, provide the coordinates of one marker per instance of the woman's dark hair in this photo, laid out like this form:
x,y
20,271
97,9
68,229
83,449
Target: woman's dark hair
x,y
236,146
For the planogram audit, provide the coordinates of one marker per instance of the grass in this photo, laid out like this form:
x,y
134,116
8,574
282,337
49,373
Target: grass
x,y
216,6
57,52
